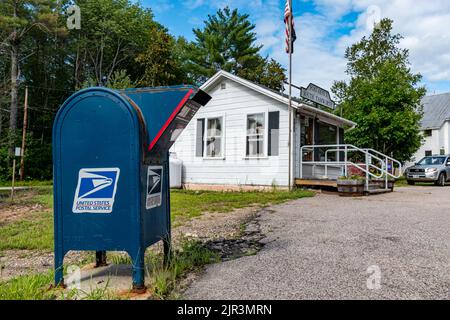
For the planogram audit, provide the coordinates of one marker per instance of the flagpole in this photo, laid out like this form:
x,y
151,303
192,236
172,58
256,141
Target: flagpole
x,y
290,96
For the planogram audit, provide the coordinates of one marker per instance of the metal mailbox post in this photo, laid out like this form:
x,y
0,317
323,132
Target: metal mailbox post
x,y
111,170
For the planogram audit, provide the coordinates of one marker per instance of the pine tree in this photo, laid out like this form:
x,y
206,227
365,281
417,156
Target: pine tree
x,y
227,42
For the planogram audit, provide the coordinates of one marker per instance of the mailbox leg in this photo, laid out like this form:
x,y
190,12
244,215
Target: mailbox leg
x,y
138,272
59,270
100,259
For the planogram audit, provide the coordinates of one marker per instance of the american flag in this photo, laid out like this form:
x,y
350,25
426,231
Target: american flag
x,y
287,14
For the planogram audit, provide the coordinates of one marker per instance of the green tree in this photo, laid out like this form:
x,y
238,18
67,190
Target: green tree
x,y
118,80
268,72
113,33
161,60
383,96
227,42
18,18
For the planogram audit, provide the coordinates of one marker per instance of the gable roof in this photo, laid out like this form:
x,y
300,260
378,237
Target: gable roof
x,y
436,110
280,97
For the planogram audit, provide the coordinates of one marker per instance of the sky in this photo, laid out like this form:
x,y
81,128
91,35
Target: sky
x,y
325,28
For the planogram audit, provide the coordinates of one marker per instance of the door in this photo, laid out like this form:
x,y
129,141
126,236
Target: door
x,y
304,137
307,136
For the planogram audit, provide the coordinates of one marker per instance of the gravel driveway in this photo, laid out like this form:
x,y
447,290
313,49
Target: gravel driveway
x,y
329,247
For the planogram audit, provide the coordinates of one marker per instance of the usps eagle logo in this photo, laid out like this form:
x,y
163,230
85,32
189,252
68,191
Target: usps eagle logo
x,y
96,190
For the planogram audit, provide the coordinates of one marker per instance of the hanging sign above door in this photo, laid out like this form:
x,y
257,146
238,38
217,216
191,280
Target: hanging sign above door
x,y
318,95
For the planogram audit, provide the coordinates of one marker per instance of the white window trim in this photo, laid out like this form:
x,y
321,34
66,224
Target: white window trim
x,y
266,135
205,137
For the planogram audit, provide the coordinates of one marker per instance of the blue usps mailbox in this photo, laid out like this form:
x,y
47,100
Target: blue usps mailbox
x,y
111,170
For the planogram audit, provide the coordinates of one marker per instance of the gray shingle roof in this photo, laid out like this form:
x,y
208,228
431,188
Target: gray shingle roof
x,y
436,110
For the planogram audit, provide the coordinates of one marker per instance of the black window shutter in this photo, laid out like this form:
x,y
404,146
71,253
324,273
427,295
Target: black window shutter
x,y
274,133
199,142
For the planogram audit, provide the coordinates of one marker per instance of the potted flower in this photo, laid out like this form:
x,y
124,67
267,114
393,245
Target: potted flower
x,y
352,186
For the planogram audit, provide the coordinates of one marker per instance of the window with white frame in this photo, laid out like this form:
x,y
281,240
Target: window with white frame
x,y
256,130
214,137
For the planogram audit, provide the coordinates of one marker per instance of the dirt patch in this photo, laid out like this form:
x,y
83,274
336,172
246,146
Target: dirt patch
x,y
10,212
17,212
216,225
14,263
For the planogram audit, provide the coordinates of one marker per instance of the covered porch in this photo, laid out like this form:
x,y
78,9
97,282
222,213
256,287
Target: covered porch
x,y
312,128
321,157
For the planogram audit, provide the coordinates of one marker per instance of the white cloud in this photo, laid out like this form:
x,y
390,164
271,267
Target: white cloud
x,y
424,24
319,55
160,6
193,4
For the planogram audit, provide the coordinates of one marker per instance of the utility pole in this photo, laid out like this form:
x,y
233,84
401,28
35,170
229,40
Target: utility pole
x,y
290,96
24,135
13,178
16,153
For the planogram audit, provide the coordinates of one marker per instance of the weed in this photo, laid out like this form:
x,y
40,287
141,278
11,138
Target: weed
x,y
119,258
191,256
29,287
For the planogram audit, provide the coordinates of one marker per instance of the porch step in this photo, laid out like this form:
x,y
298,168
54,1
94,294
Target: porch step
x,y
378,186
375,186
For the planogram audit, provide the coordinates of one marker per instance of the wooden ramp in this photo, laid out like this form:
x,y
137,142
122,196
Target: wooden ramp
x,y
316,183
374,188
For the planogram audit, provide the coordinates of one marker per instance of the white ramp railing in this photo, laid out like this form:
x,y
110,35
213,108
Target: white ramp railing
x,y
374,164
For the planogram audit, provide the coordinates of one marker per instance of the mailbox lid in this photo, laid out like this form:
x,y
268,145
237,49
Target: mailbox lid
x,y
166,112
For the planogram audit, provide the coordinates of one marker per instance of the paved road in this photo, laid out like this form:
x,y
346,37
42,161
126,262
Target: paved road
x,y
322,248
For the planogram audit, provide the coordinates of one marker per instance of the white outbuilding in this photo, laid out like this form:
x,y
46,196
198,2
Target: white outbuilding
x,y
435,126
241,138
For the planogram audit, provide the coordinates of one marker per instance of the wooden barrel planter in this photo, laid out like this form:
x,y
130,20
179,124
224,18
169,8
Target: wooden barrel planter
x,y
381,184
351,188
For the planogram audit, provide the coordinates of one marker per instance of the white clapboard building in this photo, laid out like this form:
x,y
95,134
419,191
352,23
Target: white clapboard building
x,y
240,138
435,126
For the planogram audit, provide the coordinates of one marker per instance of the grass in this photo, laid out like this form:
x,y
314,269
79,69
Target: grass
x,y
31,183
29,287
162,278
45,199
189,204
39,287
36,231
190,256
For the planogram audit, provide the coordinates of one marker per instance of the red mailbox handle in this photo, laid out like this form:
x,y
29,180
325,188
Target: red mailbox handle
x,y
172,116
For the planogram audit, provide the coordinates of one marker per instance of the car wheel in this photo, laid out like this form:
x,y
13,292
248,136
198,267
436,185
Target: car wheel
x,y
411,183
441,180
